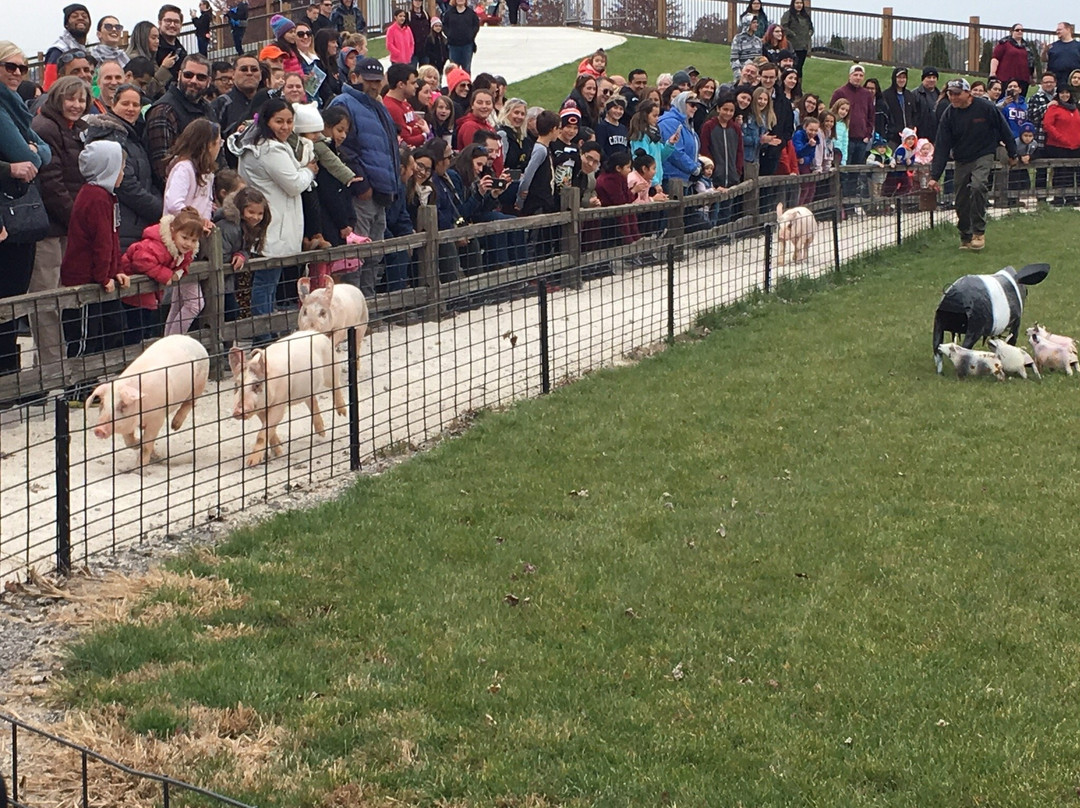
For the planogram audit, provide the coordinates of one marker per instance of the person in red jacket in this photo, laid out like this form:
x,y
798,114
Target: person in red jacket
x,y
481,103
1061,122
164,255
1012,61
93,251
412,129
613,189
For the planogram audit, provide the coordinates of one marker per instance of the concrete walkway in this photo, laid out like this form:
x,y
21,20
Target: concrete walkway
x,y
518,52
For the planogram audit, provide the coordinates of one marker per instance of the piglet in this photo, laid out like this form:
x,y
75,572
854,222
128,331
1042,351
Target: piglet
x,y
1013,360
972,363
168,375
294,369
1052,355
1056,339
332,310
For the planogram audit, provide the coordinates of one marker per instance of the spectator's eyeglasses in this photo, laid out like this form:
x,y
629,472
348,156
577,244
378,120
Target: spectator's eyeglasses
x,y
190,75
15,67
112,27
423,168
172,21
606,92
303,34
70,56
1018,30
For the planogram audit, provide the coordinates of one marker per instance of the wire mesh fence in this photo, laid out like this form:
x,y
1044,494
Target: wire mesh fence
x,y
486,314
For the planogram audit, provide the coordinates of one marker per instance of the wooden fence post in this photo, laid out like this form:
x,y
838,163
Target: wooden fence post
x,y
213,313
597,15
427,220
732,20
661,19
974,45
886,35
571,236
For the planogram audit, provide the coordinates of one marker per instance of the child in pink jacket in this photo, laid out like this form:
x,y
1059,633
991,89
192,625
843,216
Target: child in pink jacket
x,y
399,38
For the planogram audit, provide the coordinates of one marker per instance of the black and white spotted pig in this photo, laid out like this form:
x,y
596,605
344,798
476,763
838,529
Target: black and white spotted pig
x,y
984,306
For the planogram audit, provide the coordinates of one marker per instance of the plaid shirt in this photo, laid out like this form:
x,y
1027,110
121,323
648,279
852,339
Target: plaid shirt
x,y
1036,109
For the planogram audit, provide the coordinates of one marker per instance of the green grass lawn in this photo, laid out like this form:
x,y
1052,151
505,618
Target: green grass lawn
x,y
667,56
807,571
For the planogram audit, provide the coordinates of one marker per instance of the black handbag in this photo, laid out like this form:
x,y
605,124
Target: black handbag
x,y
23,212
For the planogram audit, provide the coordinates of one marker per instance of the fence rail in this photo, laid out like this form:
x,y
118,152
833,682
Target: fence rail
x,y
27,785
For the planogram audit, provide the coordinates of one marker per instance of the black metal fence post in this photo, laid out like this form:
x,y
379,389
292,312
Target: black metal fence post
x,y
767,229
899,225
354,402
932,211
671,293
15,763
836,239
545,362
85,781
62,454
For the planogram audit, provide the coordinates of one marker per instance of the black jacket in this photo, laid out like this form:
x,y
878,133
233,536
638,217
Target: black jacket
x,y
461,27
901,116
970,133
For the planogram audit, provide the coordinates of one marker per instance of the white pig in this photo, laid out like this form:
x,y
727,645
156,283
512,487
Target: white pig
x,y
796,225
1057,339
1013,359
332,310
168,375
294,369
1052,355
972,363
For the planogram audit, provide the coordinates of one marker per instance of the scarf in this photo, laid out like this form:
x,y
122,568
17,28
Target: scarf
x,y
653,134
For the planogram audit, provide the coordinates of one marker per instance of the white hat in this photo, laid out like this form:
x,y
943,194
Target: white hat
x,y
306,119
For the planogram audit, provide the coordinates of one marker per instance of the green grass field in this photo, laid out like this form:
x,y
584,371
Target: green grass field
x,y
666,56
785,564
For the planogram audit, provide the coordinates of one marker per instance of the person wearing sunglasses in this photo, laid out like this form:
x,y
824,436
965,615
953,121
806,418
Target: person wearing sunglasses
x,y
184,102
305,46
22,153
1010,61
76,28
110,34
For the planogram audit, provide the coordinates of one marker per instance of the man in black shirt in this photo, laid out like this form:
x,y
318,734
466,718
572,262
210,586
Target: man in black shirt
x,y
971,130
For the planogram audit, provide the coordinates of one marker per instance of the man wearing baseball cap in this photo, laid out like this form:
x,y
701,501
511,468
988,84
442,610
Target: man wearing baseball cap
x,y
970,131
371,151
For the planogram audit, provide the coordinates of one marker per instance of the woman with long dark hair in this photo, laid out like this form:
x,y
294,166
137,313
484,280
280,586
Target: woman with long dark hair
x,y
268,163
585,97
800,31
326,50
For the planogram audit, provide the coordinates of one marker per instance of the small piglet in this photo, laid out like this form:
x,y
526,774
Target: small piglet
x,y
1052,355
332,310
169,375
1056,339
1013,360
294,369
972,363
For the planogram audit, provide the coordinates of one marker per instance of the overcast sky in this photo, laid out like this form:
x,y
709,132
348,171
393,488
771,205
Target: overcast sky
x,y
34,25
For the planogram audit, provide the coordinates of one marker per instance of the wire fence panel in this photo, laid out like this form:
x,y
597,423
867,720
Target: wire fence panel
x,y
493,313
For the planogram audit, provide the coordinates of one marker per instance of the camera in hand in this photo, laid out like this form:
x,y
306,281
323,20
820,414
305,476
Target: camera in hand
x,y
499,184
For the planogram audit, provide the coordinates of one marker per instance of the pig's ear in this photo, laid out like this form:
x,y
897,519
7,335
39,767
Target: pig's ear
x,y
328,285
1032,274
128,396
95,397
236,360
303,288
779,209
257,363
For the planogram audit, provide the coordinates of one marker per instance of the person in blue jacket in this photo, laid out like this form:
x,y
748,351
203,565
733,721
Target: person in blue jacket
x,y
371,151
682,163
399,223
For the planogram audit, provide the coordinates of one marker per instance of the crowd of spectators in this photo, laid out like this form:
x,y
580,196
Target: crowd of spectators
x,y
307,142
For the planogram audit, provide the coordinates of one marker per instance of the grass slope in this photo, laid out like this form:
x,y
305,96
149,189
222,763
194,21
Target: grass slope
x,y
667,56
807,571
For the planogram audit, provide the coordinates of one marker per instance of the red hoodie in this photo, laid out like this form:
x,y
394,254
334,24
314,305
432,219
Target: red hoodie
x,y
157,257
612,189
468,125
1062,127
93,248
405,119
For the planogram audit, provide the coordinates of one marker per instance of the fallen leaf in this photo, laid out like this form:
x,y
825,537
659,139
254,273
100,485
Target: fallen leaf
x,y
848,741
775,685
721,532
491,722
942,722
734,502
494,688
511,599
581,492
801,575
630,613
528,568
677,673
746,680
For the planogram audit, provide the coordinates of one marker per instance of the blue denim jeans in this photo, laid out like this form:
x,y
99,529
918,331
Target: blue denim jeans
x,y
264,284
462,55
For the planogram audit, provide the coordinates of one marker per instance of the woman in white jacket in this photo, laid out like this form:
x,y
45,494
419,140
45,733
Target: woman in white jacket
x,y
268,163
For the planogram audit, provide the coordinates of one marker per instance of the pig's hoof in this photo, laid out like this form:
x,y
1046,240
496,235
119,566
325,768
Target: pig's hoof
x,y
254,460
341,410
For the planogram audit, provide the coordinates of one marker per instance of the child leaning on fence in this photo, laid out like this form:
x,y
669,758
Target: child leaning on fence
x,y
93,252
242,220
164,254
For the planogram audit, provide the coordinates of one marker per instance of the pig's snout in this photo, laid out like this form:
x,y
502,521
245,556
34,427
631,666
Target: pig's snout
x,y
103,430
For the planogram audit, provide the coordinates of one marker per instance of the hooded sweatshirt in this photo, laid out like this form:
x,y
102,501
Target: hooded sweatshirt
x,y
902,107
902,155
93,248
744,46
157,257
683,160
